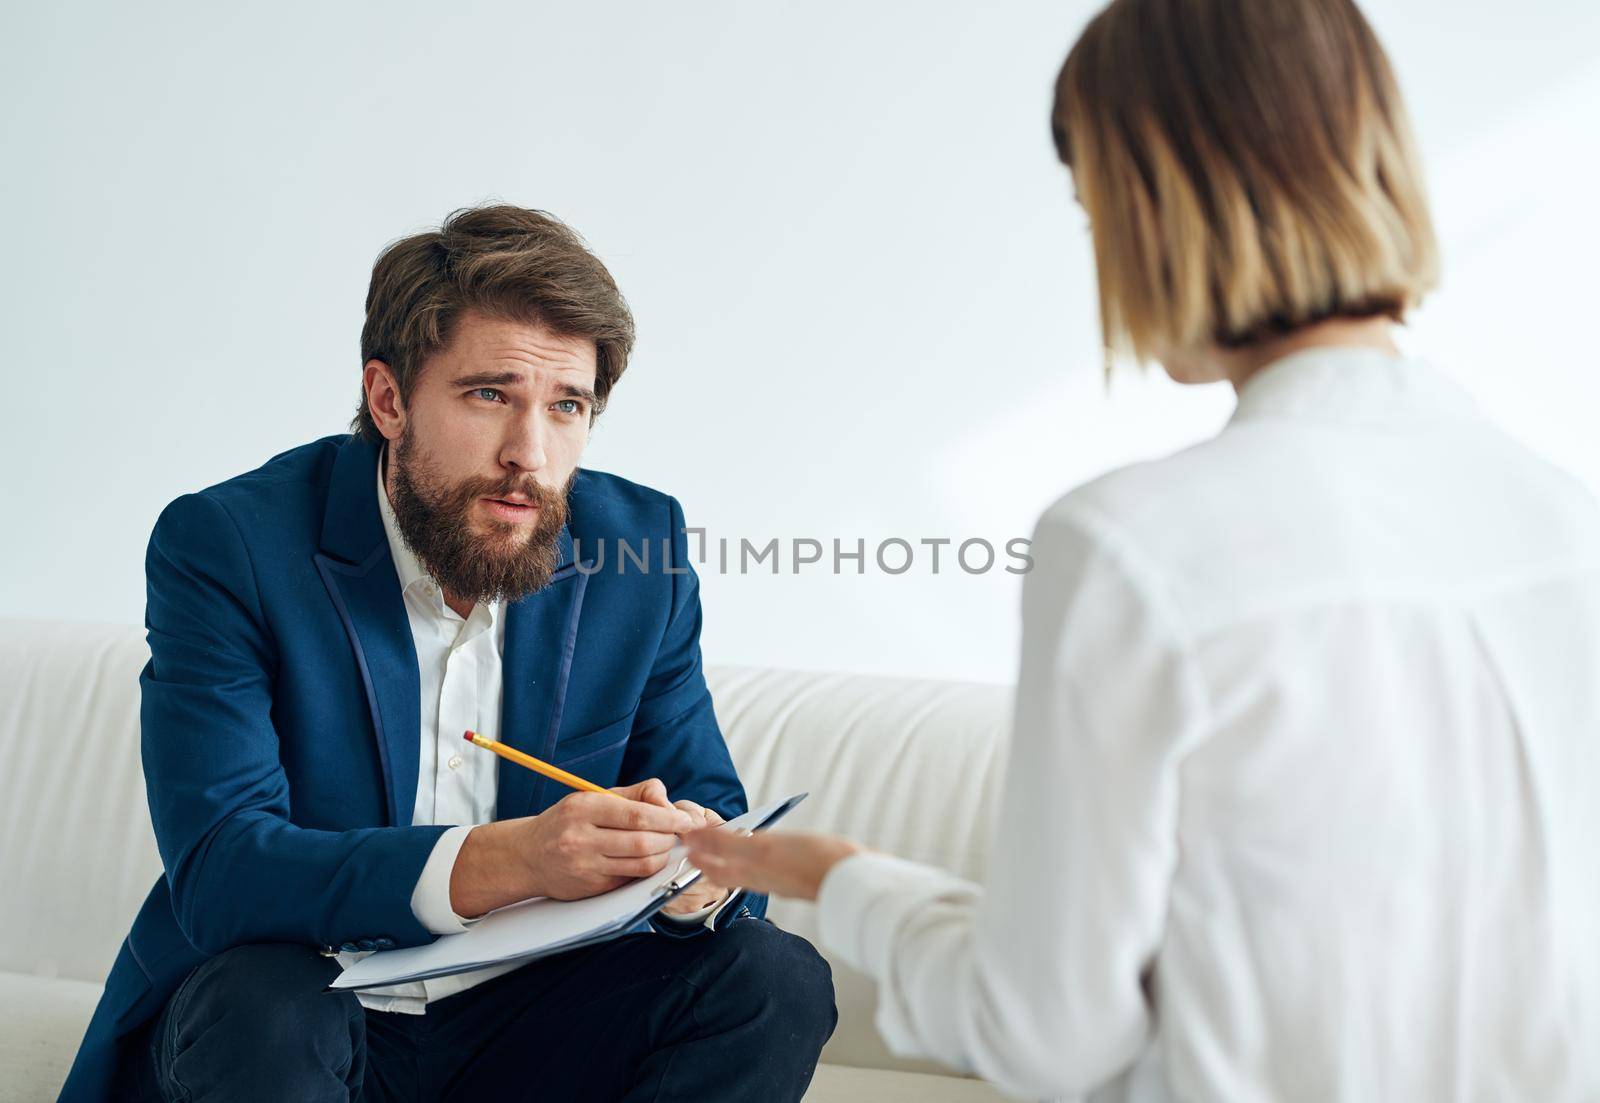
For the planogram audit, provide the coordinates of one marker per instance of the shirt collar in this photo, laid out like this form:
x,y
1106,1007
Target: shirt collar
x,y
406,565
1352,384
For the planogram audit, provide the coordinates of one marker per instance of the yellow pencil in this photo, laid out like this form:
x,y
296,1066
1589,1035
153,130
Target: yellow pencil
x,y
554,773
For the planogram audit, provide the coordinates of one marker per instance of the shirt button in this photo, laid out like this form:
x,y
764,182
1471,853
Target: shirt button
x,y
455,762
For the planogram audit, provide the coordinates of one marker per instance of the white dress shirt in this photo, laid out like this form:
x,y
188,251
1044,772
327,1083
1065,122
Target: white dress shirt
x,y
459,673
1303,800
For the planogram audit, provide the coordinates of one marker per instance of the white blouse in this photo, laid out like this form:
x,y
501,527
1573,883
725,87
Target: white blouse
x,y
1303,799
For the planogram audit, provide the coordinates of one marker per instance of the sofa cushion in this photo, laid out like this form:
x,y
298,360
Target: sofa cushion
x,y
841,1083
44,1018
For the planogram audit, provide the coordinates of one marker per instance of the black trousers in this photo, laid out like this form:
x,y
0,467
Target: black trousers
x,y
737,1014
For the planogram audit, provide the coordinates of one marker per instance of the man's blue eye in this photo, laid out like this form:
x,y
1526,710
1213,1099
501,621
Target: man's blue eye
x,y
571,404
488,391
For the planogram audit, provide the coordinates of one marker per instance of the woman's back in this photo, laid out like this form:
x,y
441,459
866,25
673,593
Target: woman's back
x,y
1303,799
1386,861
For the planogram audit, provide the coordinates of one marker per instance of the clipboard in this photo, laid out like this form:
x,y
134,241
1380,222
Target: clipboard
x,y
532,929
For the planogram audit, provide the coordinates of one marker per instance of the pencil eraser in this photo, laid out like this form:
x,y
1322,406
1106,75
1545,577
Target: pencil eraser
x,y
468,736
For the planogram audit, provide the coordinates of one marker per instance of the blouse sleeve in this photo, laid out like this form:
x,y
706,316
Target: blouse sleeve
x,y
1034,980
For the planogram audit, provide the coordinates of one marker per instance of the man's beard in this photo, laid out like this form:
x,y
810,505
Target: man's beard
x,y
434,520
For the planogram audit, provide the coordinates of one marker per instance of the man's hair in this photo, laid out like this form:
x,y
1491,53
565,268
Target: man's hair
x,y
1247,167
509,262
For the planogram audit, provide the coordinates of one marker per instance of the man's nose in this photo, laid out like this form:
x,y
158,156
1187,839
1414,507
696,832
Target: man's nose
x,y
525,447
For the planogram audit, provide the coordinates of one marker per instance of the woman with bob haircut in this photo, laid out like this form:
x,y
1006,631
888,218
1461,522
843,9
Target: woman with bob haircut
x,y
1303,796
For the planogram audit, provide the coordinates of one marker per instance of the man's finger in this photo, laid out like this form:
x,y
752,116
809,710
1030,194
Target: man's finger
x,y
633,815
633,844
699,813
633,868
649,791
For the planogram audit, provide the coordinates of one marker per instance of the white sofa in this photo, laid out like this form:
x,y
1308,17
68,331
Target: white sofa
x,y
907,766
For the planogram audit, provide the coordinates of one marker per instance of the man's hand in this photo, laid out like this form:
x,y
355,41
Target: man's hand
x,y
704,892
583,845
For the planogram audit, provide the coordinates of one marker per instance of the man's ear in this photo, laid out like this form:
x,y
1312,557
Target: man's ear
x,y
383,399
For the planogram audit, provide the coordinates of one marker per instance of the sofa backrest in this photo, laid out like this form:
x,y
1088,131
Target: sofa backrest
x,y
79,854
903,765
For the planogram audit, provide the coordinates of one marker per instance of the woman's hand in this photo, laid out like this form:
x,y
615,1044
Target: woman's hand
x,y
780,864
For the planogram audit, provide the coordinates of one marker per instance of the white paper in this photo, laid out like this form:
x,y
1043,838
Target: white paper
x,y
539,927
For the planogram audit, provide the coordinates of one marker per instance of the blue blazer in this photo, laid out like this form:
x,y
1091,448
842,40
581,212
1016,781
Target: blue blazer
x,y
280,713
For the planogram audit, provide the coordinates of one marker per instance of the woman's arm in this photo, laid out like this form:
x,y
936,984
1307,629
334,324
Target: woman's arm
x,y
1034,980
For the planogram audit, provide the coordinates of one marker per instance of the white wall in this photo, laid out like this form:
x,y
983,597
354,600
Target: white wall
x,y
863,293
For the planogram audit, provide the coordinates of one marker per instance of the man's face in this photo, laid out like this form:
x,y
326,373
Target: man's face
x,y
483,454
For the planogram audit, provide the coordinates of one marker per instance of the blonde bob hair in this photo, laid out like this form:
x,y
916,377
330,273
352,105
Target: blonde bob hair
x,y
1247,167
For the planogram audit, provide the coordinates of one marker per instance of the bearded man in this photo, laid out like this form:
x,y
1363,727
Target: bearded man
x,y
325,628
